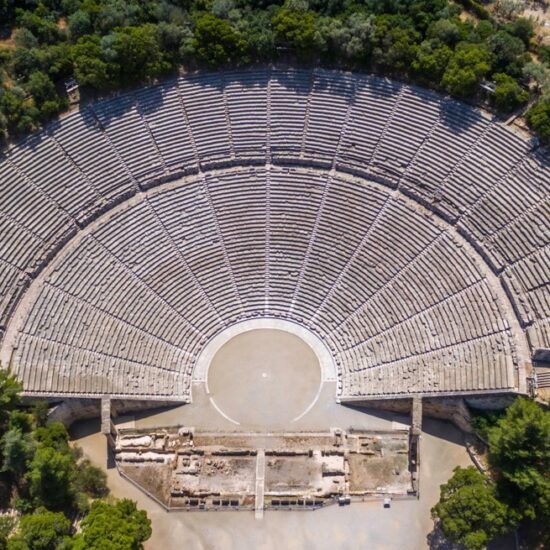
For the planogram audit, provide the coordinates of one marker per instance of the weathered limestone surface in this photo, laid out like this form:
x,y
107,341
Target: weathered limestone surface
x,y
408,231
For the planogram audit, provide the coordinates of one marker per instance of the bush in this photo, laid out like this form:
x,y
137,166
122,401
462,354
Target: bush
x,y
217,43
509,95
519,450
91,480
538,117
468,510
118,527
468,65
42,530
50,478
7,523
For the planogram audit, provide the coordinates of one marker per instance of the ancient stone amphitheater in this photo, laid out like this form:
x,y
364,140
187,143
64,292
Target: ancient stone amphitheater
x,y
408,231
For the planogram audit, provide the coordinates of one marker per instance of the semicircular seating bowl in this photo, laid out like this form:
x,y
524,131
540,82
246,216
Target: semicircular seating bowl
x,y
410,232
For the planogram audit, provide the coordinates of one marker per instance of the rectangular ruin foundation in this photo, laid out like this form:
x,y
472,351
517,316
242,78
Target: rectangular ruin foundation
x,y
187,470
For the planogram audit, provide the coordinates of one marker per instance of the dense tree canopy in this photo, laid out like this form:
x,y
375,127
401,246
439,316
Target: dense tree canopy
x,y
41,530
468,65
113,527
468,510
474,508
509,95
47,481
108,44
519,449
539,119
217,43
295,30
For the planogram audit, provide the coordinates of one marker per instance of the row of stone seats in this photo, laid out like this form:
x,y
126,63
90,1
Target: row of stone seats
x,y
444,149
295,197
139,241
359,107
42,163
162,109
13,283
413,115
94,275
157,280
470,169
539,335
243,91
131,138
85,144
388,243
189,219
60,317
326,116
61,369
237,198
528,282
206,111
409,290
372,108
287,102
478,365
464,317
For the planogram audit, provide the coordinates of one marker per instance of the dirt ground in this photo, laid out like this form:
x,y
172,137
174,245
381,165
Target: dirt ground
x,y
264,377
291,474
384,474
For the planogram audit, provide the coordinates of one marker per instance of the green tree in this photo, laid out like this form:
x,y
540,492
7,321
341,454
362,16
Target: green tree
x,y
53,435
24,38
446,31
469,512
468,65
21,117
509,95
507,53
41,87
431,61
17,449
256,26
44,94
295,30
519,448
10,390
351,38
217,43
543,51
171,37
42,530
50,478
111,15
55,60
39,411
539,74
80,23
136,52
91,480
113,527
7,523
523,28
396,44
89,67
45,30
